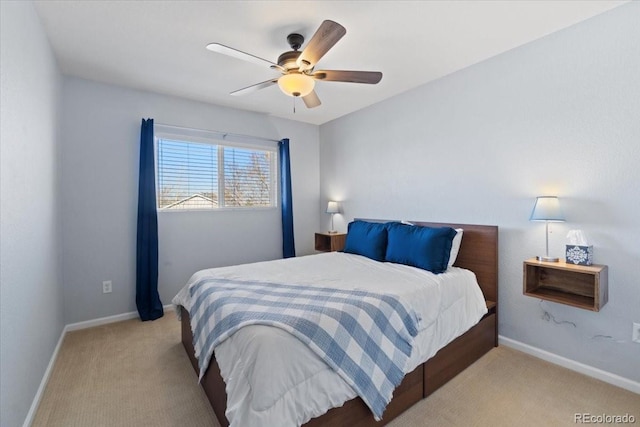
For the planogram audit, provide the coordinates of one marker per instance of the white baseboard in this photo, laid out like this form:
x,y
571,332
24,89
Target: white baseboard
x,y
109,319
590,371
68,328
45,379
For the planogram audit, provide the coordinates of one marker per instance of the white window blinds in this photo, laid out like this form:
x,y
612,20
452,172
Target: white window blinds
x,y
202,175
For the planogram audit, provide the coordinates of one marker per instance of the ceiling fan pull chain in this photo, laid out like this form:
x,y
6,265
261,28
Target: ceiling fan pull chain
x,y
294,104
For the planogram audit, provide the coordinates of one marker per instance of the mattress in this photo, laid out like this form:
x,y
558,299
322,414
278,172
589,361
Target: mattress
x,y
273,379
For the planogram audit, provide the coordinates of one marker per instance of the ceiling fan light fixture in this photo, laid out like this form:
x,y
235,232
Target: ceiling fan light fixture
x,y
296,84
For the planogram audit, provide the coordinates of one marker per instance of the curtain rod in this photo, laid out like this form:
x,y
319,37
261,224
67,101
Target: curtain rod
x,y
223,134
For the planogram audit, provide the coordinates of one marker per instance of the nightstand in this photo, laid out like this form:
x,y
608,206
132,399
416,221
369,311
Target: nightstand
x,y
582,286
329,242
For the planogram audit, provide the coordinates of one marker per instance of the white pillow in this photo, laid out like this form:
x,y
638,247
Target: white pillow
x,y
455,246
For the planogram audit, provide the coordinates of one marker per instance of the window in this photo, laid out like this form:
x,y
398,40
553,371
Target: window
x,y
196,174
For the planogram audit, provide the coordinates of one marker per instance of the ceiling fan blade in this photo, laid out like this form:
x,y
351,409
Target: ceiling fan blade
x,y
238,54
369,77
311,100
254,88
325,37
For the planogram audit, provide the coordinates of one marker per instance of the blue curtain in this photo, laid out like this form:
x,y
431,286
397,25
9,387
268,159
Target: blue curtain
x,y
288,245
147,297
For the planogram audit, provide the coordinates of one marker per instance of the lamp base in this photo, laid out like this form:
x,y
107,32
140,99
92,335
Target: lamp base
x,y
332,232
547,259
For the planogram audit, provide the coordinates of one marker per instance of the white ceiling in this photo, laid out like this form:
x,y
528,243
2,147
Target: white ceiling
x,y
159,46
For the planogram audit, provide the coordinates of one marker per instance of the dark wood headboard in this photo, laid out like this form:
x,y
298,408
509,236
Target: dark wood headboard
x,y
478,253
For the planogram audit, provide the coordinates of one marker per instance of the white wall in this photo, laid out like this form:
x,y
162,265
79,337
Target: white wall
x,y
99,188
31,308
558,116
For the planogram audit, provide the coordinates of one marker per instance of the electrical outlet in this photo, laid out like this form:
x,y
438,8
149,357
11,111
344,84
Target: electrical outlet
x,y
635,335
107,287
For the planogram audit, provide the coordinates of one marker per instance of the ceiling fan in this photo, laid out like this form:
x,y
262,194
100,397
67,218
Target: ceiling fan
x,y
297,67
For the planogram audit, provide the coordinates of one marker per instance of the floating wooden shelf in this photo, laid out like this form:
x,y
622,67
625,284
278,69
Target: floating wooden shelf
x,y
329,242
582,286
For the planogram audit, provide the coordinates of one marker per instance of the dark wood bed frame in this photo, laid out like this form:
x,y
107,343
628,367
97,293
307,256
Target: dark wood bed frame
x,y
478,253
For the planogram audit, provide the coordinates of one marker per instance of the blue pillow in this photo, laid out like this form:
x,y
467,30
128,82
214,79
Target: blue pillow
x,y
423,247
367,239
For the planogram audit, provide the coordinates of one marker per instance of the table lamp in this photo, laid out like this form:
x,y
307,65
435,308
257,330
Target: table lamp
x,y
547,209
332,208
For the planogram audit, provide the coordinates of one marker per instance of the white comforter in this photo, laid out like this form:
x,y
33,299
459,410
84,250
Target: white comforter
x,y
272,379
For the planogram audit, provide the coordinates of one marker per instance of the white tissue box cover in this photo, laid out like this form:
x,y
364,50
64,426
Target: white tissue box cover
x,y
580,255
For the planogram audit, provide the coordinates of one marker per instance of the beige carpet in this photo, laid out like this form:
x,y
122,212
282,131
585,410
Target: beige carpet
x,y
136,373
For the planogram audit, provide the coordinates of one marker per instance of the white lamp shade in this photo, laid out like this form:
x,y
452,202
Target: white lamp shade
x,y
333,208
296,84
547,208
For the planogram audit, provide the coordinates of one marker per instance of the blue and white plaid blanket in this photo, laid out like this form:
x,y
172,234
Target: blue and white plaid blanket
x,y
365,337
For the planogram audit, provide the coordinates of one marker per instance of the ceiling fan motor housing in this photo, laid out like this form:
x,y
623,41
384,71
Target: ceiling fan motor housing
x,y
288,60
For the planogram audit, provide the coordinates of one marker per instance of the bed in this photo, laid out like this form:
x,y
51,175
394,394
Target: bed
x,y
478,253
